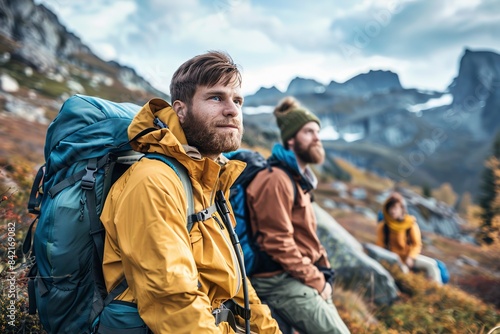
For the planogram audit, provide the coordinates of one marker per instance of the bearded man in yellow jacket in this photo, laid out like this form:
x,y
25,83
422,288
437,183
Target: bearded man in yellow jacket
x,y
177,279
399,233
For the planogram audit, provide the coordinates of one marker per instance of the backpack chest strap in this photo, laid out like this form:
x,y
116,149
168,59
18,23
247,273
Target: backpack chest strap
x,y
202,215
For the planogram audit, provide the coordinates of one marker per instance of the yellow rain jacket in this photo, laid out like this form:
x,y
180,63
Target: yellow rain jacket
x,y
176,278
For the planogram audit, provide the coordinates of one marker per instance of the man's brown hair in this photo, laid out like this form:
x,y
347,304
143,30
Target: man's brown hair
x,y
203,70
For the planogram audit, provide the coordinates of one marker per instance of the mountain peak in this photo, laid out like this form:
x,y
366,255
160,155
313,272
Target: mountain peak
x,y
375,81
476,87
270,90
475,68
304,86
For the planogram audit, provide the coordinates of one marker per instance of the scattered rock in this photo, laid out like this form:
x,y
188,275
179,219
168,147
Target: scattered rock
x,y
55,76
469,261
4,58
28,71
367,212
8,84
329,204
344,207
75,87
358,193
25,110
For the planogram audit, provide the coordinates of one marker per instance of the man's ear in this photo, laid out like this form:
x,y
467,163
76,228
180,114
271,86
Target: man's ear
x,y
290,142
180,109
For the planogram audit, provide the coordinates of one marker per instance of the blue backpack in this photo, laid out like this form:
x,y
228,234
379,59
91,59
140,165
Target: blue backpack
x,y
256,260
86,150
445,274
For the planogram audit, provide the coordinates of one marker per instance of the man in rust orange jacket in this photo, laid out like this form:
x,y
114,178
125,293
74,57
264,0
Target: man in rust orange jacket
x,y
296,281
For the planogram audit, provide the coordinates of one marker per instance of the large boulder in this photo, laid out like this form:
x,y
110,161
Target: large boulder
x,y
355,270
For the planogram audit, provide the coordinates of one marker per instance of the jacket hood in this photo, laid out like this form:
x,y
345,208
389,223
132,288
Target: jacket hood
x,y
144,120
308,180
286,156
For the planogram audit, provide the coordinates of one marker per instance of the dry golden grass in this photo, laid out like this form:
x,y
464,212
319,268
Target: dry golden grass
x,y
363,178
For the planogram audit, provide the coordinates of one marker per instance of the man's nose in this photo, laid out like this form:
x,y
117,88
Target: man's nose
x,y
316,136
231,109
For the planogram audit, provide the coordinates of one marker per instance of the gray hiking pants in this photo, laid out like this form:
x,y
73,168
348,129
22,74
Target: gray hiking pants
x,y
299,305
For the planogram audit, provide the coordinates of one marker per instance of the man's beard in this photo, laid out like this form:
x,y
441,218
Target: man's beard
x,y
314,153
207,139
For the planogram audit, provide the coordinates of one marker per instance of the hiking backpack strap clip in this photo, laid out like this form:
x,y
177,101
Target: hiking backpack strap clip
x,y
88,180
202,215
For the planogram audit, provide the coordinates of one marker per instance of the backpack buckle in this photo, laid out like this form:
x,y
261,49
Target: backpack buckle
x,y
88,180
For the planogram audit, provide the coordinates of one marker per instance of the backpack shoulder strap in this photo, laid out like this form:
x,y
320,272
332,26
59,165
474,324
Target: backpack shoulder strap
x,y
408,239
386,235
182,173
290,175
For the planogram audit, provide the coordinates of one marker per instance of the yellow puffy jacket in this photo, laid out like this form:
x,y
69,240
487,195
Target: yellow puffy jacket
x,y
176,278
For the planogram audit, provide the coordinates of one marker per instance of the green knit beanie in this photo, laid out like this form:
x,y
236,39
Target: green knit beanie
x,y
291,117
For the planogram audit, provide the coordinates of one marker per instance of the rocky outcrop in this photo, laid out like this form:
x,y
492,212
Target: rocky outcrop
x,y
354,269
435,216
476,90
43,43
42,38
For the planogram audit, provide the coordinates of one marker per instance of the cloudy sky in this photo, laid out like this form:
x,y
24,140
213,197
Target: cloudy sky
x,y
275,41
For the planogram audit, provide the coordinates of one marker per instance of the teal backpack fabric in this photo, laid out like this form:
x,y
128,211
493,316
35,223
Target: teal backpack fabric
x,y
86,150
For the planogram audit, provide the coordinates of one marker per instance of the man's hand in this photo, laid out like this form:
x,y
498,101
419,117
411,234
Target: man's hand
x,y
410,262
327,291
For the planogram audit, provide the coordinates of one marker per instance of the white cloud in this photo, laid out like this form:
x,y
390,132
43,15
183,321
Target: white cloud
x,y
275,41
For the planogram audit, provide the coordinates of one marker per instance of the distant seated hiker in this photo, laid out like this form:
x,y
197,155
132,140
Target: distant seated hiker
x,y
178,278
399,233
296,278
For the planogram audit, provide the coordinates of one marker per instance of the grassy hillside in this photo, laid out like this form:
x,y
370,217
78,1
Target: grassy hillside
x,y
422,308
